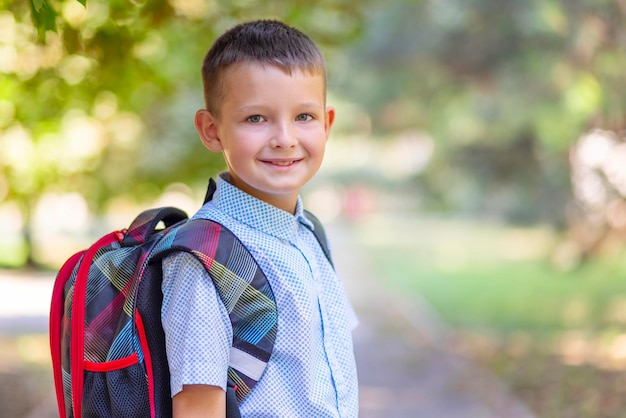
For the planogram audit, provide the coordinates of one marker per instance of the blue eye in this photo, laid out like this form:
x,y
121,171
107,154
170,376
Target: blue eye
x,y
255,119
304,117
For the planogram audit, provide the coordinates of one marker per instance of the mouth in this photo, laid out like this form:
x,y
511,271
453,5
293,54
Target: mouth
x,y
281,163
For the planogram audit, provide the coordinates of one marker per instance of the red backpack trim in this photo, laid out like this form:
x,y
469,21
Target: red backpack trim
x,y
143,340
56,315
77,354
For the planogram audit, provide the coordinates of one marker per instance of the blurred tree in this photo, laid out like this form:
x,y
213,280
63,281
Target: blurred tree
x,y
98,96
505,88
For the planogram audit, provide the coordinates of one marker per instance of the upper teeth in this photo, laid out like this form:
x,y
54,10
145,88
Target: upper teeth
x,y
282,162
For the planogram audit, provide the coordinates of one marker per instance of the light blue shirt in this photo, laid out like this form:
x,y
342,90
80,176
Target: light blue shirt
x,y
312,372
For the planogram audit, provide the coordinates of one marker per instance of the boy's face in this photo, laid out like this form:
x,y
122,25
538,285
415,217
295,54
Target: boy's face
x,y
272,128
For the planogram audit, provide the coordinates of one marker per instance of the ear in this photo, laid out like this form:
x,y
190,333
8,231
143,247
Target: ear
x,y
329,120
206,126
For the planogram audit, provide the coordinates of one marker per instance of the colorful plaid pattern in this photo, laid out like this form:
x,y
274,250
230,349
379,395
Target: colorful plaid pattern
x,y
102,352
241,284
111,354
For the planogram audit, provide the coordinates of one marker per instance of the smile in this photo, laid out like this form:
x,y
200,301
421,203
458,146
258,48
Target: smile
x,y
282,163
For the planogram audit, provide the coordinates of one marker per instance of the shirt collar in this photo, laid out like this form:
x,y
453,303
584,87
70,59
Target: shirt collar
x,y
257,213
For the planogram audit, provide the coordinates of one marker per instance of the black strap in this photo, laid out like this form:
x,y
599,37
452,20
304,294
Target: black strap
x,y
210,190
320,235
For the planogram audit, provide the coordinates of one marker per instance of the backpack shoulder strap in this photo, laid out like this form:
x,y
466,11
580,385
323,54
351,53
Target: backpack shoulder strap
x,y
242,287
210,190
320,235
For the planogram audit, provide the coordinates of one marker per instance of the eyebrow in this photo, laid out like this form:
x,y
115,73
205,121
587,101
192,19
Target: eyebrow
x,y
245,109
260,107
310,105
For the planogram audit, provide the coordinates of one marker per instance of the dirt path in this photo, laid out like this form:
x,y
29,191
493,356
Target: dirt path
x,y
405,366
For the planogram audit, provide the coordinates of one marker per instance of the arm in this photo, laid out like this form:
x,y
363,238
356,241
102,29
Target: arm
x,y
198,335
199,401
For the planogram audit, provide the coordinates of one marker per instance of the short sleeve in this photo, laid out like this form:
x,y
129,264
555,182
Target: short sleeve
x,y
353,318
198,332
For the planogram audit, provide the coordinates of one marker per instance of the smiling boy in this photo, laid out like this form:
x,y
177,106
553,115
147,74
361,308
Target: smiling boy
x,y
272,129
265,111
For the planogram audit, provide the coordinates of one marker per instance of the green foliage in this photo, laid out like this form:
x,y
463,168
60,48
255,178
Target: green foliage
x,y
491,278
540,66
98,96
484,77
44,16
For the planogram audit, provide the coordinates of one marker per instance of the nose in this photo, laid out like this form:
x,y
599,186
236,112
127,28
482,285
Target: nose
x,y
284,136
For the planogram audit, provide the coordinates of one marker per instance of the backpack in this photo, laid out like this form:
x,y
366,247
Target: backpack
x,y
106,339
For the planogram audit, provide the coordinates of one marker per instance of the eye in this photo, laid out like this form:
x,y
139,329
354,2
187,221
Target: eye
x,y
255,119
304,117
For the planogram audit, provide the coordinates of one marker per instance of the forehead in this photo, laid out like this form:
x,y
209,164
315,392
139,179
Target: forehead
x,y
261,68
251,79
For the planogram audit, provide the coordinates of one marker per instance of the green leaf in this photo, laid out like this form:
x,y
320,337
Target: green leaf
x,y
83,2
44,19
38,5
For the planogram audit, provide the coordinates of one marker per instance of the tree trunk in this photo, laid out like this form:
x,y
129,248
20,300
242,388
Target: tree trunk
x,y
27,206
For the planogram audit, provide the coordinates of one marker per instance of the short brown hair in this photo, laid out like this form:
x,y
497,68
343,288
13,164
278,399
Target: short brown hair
x,y
267,42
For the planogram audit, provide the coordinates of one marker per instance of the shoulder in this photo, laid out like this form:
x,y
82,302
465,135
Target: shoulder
x,y
178,261
182,270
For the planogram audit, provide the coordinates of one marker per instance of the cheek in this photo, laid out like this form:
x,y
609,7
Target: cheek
x,y
251,136
243,142
239,153
318,142
317,150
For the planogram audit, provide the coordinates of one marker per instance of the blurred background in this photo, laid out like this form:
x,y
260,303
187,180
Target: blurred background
x,y
478,161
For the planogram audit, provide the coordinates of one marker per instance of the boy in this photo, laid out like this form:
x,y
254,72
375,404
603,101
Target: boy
x,y
265,96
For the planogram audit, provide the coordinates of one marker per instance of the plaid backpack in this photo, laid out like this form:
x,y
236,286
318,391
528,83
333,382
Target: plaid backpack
x,y
106,340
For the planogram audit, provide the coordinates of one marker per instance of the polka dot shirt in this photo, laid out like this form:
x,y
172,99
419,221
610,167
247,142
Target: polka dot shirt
x,y
312,371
